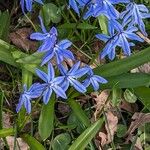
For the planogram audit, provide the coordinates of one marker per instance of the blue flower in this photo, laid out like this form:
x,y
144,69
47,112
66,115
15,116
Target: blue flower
x,y
51,84
48,38
27,4
25,98
95,80
134,14
60,51
103,7
76,4
71,76
118,37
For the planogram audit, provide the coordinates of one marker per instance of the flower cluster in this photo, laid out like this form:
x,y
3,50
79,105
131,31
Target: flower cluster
x,y
59,50
122,28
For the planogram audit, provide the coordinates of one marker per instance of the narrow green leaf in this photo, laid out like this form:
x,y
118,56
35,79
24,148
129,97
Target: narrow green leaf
x,y
86,26
32,142
6,132
80,114
143,93
82,141
4,25
127,80
1,107
103,23
124,65
116,96
46,120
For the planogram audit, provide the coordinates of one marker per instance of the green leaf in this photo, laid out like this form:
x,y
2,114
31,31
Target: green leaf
x,y
1,108
143,93
121,130
127,80
124,65
80,114
32,142
82,141
103,23
4,25
86,26
61,142
116,96
46,120
129,96
50,12
6,132
5,53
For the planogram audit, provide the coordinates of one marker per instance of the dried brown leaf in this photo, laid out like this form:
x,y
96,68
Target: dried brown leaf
x,y
101,102
20,38
21,143
139,119
111,126
132,108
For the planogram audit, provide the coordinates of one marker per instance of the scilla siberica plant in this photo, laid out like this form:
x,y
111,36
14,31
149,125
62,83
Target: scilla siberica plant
x,y
122,28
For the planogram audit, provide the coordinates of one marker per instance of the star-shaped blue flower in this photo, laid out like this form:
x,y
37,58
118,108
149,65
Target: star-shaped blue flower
x,y
51,84
25,98
48,38
118,37
60,51
103,7
71,76
77,4
27,4
134,15
94,80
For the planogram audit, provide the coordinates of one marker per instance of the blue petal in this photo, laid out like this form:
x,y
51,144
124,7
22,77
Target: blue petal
x,y
59,91
38,36
21,101
77,85
74,68
28,5
47,57
99,79
27,105
51,73
46,95
73,4
80,72
42,75
42,25
62,69
94,84
64,44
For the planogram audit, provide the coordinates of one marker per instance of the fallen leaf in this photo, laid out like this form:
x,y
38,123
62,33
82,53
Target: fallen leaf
x,y
139,119
20,38
101,102
106,136
20,142
132,108
111,126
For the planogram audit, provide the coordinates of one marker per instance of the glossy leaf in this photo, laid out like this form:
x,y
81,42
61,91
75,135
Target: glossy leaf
x,y
82,141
